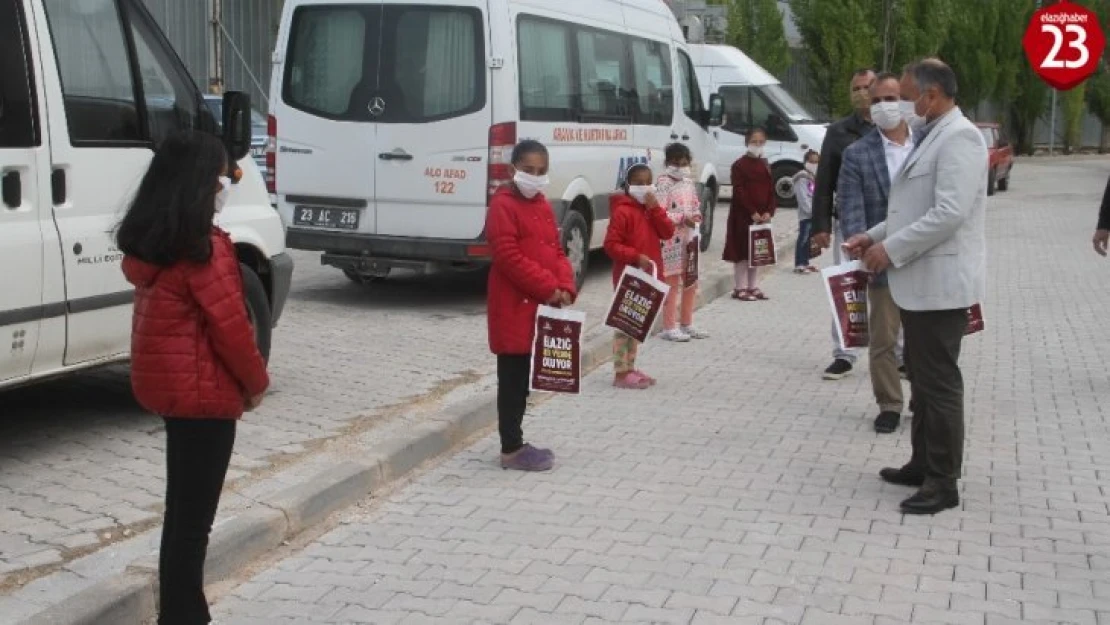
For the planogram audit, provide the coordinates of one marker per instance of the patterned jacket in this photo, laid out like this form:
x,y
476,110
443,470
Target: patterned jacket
x,y
680,197
863,189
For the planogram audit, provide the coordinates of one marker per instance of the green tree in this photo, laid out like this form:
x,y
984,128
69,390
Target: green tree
x,y
1073,108
1007,39
970,50
837,40
756,28
1098,101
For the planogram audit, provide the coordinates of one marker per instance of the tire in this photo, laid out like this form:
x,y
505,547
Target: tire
x,y
991,182
258,309
1004,183
708,211
783,175
576,245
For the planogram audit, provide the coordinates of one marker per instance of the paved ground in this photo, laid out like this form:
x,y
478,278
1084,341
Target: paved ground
x,y
81,466
743,489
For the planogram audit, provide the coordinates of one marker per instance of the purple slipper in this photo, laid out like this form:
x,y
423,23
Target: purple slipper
x,y
528,458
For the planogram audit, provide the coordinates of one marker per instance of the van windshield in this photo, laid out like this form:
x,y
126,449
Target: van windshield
x,y
391,64
788,107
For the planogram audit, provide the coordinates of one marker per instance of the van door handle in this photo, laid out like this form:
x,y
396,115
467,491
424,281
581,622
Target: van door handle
x,y
12,190
674,135
395,156
685,137
58,186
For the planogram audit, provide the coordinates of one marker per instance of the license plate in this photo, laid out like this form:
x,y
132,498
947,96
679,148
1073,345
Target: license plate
x,y
319,217
258,152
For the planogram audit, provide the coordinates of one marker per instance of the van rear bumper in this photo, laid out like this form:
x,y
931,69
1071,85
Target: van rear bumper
x,y
386,247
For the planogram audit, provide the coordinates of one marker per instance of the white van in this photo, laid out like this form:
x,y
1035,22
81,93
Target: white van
x,y
392,121
753,97
87,89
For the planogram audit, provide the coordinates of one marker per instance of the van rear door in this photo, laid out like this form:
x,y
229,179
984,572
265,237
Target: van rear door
x,y
325,130
434,119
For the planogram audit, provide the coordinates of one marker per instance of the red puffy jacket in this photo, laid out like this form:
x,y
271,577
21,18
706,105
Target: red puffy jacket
x,y
529,265
635,229
192,346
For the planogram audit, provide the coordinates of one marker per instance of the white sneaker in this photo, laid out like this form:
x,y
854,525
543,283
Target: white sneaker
x,y
676,335
694,333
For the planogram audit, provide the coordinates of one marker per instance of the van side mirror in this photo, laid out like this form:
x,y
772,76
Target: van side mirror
x,y
716,110
237,124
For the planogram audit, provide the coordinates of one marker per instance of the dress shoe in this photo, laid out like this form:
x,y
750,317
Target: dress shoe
x,y
931,499
887,422
902,477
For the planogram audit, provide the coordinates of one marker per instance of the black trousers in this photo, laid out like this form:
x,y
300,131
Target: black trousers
x,y
197,454
932,355
512,399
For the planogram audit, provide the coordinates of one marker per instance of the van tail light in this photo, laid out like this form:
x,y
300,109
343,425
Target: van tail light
x,y
502,140
271,154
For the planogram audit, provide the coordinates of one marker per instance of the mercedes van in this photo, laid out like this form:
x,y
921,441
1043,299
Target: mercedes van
x,y
391,122
753,97
88,88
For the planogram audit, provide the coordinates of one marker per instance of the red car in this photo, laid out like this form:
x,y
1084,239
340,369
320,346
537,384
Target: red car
x,y
1001,156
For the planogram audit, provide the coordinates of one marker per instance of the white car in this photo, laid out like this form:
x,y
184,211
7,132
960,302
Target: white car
x,y
392,122
88,88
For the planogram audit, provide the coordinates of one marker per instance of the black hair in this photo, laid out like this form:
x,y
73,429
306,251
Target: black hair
x,y
752,131
886,76
633,170
676,152
862,71
809,153
170,219
935,72
526,147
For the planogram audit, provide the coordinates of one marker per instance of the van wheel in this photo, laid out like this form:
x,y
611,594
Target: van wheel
x,y
783,175
708,211
359,278
258,309
1004,183
576,244
991,178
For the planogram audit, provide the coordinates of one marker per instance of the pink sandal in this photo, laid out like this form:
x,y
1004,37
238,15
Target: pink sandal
x,y
746,295
632,380
650,380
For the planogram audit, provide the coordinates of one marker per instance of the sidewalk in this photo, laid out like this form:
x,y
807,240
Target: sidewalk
x,y
743,489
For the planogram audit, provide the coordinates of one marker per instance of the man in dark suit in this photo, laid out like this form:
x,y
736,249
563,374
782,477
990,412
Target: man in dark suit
x,y
838,136
863,190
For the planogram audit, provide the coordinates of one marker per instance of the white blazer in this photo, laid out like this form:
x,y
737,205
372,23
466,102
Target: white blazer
x,y
935,231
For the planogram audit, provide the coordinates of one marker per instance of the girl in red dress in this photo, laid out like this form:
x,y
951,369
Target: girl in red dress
x,y
753,202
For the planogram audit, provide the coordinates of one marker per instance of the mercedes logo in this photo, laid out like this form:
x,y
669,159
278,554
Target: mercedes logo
x,y
376,107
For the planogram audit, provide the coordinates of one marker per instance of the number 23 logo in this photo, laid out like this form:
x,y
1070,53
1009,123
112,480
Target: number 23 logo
x,y
1052,61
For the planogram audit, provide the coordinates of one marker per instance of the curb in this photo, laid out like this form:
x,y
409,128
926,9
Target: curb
x,y
130,598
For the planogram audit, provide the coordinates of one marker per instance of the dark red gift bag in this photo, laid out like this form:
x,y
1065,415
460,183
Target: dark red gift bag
x,y
636,303
975,321
557,350
693,258
846,286
761,246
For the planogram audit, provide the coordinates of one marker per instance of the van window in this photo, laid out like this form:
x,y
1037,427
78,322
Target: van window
x,y
651,62
603,74
172,101
737,101
96,76
691,93
19,126
547,90
392,64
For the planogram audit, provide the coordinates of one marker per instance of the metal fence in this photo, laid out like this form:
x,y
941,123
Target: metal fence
x,y
249,28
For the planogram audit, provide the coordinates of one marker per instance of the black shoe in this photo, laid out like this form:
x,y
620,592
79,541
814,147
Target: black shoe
x,y
887,422
838,369
931,499
902,477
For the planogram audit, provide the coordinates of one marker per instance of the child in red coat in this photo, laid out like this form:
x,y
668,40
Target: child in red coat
x,y
194,360
753,202
529,269
638,225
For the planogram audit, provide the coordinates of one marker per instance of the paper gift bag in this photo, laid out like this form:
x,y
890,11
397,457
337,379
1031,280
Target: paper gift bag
x,y
846,287
761,246
557,350
672,250
636,303
975,321
691,268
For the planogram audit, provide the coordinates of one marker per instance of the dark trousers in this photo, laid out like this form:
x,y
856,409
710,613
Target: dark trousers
x,y
801,249
197,454
932,356
512,399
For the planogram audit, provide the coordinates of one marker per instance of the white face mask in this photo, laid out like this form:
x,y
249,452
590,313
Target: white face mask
x,y
678,172
225,190
811,168
755,150
529,185
909,113
887,115
640,192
